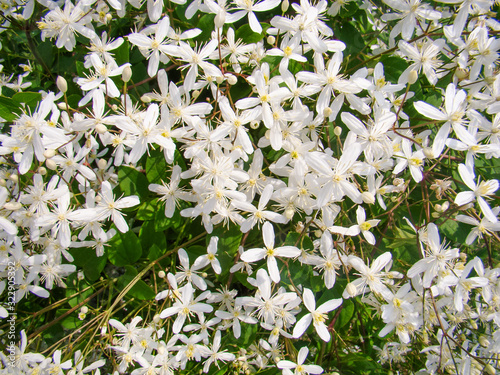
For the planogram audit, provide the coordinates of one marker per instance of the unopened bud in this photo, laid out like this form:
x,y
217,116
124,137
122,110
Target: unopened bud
x,y
49,153
337,131
220,20
3,182
351,289
62,106
102,164
161,274
445,206
195,94
84,310
284,6
461,74
271,39
483,340
232,80
368,197
101,128
412,77
289,212
126,74
327,112
14,178
490,369
42,171
254,124
145,98
98,199
219,79
51,164
61,83
318,233
438,208
156,319
12,206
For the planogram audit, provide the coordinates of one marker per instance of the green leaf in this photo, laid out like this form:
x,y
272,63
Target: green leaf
x,y
133,182
149,237
140,289
227,247
206,25
346,313
46,51
393,67
156,167
87,259
28,98
122,53
455,231
147,209
162,222
155,252
246,34
9,109
125,249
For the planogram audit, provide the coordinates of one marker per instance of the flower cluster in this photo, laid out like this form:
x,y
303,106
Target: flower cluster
x,y
297,161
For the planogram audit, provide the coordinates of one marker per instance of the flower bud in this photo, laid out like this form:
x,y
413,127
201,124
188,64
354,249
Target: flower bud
x,y
327,112
289,212
98,199
412,77
271,39
156,318
49,153
351,289
445,206
232,80
62,85
368,197
461,74
483,340
220,20
12,206
62,106
490,369
42,171
51,164
14,178
161,274
219,79
84,310
126,74
195,94
145,98
254,124
318,233
3,182
102,164
101,128
284,6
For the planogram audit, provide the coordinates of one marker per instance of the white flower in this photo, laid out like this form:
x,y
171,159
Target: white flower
x,y
109,207
317,316
270,252
299,368
480,190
